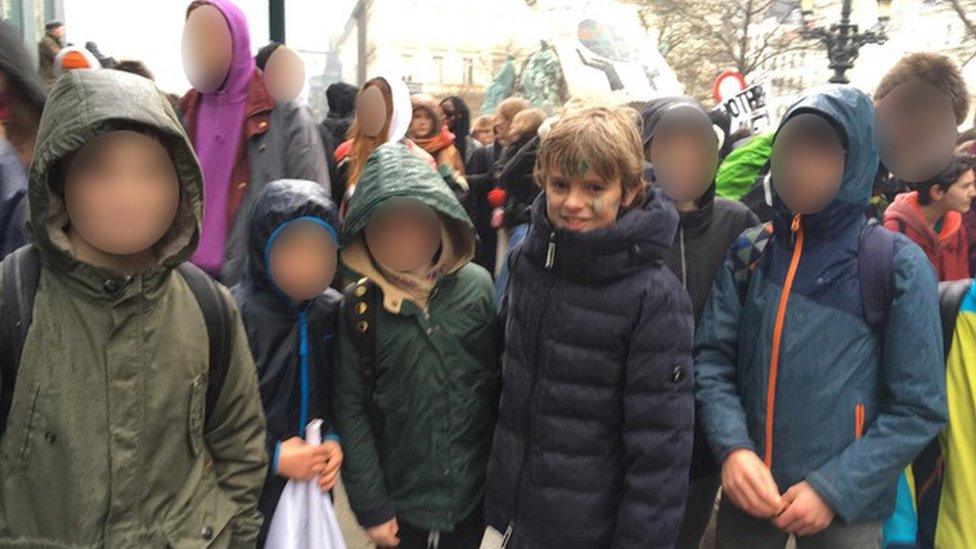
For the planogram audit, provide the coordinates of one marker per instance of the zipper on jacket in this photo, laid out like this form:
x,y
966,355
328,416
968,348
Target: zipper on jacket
x,y
551,251
796,229
858,421
684,262
303,363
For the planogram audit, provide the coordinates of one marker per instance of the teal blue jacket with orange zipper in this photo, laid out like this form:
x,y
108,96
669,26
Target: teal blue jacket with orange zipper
x,y
797,374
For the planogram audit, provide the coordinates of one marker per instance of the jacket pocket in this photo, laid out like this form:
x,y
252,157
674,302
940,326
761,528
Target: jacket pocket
x,y
20,430
195,414
858,421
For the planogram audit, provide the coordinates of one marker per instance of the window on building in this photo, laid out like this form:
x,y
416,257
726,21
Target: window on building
x,y
468,65
439,68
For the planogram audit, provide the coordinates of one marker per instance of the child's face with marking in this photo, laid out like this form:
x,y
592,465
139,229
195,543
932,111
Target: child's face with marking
x,y
121,192
807,163
302,260
404,235
584,201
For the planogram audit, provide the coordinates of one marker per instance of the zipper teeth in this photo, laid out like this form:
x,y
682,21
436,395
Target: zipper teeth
x,y
684,264
784,298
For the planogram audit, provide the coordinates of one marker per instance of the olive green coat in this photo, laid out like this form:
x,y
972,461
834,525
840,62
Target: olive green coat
x,y
105,444
423,455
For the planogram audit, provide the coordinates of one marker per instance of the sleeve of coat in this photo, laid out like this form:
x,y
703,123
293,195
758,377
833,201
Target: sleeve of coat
x,y
658,408
716,353
362,475
235,435
304,150
912,403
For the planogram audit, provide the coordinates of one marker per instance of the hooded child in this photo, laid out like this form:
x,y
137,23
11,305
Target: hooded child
x,y
243,138
107,440
290,316
417,431
811,404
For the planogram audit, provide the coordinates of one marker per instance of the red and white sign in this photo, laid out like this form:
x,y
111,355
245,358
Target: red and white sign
x,y
729,84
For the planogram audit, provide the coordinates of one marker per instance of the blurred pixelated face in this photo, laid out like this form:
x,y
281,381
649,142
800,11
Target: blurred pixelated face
x,y
959,196
404,235
207,49
584,201
284,75
684,153
302,260
372,112
807,163
485,136
916,131
121,192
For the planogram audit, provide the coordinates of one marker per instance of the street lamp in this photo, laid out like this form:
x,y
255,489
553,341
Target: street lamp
x,y
844,39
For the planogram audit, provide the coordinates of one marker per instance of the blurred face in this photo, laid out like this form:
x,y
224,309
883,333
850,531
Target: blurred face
x,y
371,111
121,192
207,49
583,204
916,131
449,113
807,163
284,75
960,195
422,124
404,236
502,129
58,32
684,153
303,260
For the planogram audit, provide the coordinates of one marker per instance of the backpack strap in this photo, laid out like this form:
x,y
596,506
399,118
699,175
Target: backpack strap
x,y
21,272
951,295
359,314
216,315
876,250
746,252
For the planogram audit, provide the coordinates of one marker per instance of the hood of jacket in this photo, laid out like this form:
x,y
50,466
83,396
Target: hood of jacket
x,y
16,64
393,171
283,202
851,110
642,235
83,105
907,209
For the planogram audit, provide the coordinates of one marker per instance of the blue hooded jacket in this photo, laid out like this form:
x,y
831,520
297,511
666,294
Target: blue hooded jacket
x,y
849,409
292,343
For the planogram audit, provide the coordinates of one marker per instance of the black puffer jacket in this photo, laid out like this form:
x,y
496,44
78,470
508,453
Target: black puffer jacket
x,y
595,423
277,327
516,178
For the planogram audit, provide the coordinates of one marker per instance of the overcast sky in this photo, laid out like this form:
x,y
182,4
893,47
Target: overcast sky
x,y
151,31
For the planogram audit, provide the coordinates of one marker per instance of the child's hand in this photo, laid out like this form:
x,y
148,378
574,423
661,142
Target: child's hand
x,y
297,460
385,535
806,512
749,485
329,473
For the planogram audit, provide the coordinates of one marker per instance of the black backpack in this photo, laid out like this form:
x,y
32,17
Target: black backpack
x,y
21,272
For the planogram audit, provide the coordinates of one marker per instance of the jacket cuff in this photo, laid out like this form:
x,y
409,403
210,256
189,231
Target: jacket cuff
x,y
377,516
826,490
723,452
274,458
332,436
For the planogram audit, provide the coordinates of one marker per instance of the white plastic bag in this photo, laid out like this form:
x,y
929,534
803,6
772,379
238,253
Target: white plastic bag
x,y
304,518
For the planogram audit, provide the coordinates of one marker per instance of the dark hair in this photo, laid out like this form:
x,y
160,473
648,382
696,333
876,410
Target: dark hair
x,y
960,164
135,67
968,135
462,124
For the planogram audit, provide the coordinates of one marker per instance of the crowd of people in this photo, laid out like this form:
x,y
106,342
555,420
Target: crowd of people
x,y
583,328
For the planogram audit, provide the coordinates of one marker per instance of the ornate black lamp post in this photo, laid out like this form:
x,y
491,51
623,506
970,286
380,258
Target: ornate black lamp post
x,y
844,39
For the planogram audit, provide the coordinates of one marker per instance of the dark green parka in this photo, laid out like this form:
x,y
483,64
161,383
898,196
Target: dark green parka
x,y
418,447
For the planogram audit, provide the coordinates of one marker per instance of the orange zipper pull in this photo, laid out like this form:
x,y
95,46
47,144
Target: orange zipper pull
x,y
795,225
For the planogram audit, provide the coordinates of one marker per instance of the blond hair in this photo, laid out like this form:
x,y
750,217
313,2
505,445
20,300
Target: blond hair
x,y
484,122
508,108
525,123
604,139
